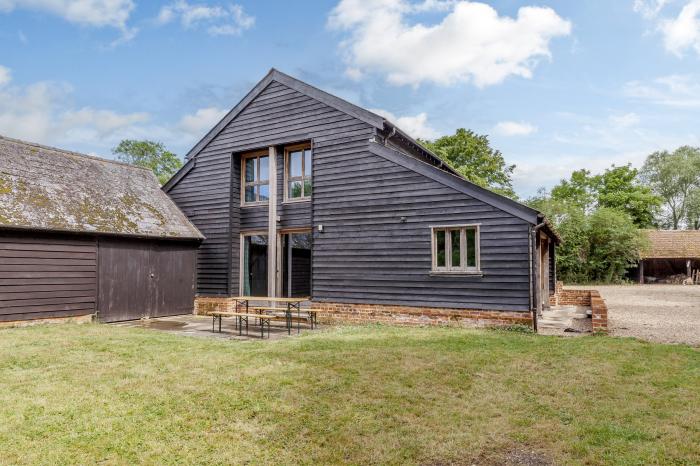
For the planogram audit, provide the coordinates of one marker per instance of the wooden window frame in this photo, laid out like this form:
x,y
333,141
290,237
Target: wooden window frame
x,y
257,155
302,178
448,269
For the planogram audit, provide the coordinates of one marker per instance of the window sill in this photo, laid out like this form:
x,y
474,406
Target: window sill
x,y
456,273
254,204
296,201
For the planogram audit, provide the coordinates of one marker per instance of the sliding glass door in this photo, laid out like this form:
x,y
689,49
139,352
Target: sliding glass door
x,y
296,264
254,267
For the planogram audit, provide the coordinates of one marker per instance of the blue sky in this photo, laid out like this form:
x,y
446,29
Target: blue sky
x,y
558,85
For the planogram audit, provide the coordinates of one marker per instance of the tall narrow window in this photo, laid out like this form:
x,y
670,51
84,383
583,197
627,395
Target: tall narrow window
x,y
297,173
456,248
255,178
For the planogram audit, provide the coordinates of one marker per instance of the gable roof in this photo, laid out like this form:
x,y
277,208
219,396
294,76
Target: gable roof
x,y
672,244
440,170
48,189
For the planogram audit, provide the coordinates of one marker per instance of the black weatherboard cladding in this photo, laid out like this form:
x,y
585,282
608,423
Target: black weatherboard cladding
x,y
366,253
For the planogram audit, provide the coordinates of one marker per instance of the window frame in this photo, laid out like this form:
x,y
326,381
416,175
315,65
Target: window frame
x,y
256,155
287,178
463,269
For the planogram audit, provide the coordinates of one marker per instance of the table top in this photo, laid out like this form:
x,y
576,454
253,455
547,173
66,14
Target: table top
x,y
271,299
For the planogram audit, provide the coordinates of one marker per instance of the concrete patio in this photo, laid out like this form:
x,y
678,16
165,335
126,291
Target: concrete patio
x,y
201,326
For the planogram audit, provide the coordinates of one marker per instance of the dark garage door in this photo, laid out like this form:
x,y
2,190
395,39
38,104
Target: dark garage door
x,y
46,276
145,279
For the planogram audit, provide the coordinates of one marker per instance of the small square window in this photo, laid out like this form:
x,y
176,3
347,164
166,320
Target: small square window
x,y
455,249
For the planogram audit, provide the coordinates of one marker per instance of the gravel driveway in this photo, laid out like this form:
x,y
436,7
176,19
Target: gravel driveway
x,y
660,313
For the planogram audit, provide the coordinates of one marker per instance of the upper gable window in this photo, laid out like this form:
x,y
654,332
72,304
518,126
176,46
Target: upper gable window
x,y
297,173
255,178
456,249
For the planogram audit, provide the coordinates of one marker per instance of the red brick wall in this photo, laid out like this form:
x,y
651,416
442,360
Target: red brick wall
x,y
599,311
335,313
204,305
591,298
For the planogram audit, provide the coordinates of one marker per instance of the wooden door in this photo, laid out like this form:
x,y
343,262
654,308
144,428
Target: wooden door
x,y
145,279
124,280
173,268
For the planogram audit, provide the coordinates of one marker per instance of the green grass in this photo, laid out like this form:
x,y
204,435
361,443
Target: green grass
x,y
94,393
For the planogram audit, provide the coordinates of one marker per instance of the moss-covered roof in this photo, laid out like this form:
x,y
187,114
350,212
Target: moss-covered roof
x,y
43,188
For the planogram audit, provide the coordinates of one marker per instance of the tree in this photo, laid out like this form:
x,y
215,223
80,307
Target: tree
x,y
471,156
149,154
614,244
617,188
674,177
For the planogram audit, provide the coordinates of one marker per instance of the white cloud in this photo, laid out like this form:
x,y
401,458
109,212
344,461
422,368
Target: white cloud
x,y
514,128
202,120
97,13
5,76
624,121
40,112
220,20
682,91
94,13
471,43
649,8
416,126
683,32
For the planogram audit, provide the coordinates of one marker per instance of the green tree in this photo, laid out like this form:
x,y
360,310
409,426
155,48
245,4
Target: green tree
x,y
620,188
616,188
149,154
693,210
471,155
674,176
614,244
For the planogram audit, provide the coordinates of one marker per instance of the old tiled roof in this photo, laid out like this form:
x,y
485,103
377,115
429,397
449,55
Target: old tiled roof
x,y
42,188
672,244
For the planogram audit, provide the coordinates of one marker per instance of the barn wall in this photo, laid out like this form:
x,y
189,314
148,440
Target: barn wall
x,y
46,276
368,254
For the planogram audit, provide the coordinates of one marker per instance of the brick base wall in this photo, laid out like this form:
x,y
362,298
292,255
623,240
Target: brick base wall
x,y
205,305
344,313
55,320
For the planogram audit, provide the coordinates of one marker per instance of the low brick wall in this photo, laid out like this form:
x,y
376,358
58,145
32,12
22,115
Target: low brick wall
x,y
205,305
589,298
599,311
344,313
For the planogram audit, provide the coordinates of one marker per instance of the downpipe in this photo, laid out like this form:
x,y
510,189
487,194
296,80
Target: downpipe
x,y
533,281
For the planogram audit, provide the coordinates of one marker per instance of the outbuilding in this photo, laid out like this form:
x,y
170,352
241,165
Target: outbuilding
x,y
83,236
671,256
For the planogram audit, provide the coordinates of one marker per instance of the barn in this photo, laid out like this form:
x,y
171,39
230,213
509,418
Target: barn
x,y
82,236
671,256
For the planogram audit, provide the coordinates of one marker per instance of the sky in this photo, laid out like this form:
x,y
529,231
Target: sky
x,y
557,85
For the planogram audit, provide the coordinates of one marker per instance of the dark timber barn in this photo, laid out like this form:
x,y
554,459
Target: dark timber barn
x,y
300,193
81,236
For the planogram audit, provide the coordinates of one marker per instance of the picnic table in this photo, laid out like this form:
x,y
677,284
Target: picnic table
x,y
245,309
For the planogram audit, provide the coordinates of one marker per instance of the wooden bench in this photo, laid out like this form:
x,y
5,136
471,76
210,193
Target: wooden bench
x,y
240,318
311,314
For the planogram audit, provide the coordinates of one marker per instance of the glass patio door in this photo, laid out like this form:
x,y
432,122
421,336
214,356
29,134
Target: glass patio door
x,y
254,267
296,264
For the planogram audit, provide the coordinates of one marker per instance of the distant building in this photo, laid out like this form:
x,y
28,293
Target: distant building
x,y
671,253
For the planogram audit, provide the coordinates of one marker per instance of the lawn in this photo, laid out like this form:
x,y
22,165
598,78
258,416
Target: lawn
x,y
95,393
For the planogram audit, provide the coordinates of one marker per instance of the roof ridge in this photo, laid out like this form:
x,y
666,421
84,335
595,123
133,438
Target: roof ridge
x,y
69,152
